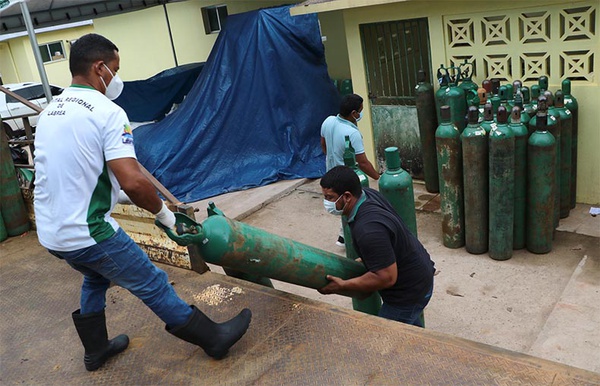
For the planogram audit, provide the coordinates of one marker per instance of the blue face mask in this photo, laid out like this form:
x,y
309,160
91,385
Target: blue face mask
x,y
330,207
360,115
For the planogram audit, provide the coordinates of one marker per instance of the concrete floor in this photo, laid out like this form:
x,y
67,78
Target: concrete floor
x,y
543,305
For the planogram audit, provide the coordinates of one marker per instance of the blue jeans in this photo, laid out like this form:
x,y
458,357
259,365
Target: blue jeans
x,y
120,260
406,314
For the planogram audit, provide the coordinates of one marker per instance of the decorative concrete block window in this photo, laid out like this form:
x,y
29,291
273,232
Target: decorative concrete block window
x,y
52,52
214,18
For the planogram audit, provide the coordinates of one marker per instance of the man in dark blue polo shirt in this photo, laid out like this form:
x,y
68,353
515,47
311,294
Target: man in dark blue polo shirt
x,y
398,265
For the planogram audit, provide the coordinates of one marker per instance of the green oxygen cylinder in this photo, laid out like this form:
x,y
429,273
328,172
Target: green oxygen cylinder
x,y
521,134
449,156
454,97
535,94
503,93
541,155
475,180
372,304
3,233
496,103
350,161
571,104
396,185
566,125
229,243
488,118
555,130
543,83
12,204
501,188
527,105
427,118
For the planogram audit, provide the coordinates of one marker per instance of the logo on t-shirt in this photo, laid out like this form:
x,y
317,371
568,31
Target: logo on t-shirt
x,y
127,136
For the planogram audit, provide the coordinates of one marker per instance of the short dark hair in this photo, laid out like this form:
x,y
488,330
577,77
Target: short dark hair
x,y
342,179
350,103
89,49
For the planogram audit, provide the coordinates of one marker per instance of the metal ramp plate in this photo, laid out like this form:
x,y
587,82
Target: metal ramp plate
x,y
291,341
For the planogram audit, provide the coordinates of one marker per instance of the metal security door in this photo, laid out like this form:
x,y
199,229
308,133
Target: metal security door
x,y
393,52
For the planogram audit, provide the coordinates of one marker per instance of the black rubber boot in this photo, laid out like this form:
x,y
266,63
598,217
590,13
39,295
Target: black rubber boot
x,y
214,338
92,332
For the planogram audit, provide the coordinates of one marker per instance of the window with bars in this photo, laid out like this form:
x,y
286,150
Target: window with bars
x,y
394,52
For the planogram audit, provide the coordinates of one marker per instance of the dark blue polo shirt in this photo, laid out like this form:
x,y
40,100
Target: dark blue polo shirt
x,y
381,239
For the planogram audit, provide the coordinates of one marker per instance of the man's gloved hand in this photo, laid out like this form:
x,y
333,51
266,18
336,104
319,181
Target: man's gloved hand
x,y
124,198
166,217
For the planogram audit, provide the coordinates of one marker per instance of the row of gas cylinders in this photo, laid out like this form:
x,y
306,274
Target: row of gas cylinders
x,y
504,182
14,219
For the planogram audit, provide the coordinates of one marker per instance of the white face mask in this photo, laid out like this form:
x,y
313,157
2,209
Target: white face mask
x,y
330,207
360,115
115,86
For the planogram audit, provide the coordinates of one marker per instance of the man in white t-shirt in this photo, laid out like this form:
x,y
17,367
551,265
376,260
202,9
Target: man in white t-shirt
x,y
333,140
84,155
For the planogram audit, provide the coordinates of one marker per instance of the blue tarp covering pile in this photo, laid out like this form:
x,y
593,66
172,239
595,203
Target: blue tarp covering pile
x,y
151,99
254,114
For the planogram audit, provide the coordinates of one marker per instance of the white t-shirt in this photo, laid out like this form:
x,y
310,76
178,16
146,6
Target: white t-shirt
x,y
334,129
75,191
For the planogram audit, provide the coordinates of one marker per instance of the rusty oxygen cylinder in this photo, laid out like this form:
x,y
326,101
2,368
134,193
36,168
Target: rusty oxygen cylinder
x,y
475,180
541,168
555,130
521,134
566,126
571,104
427,118
501,188
488,118
449,157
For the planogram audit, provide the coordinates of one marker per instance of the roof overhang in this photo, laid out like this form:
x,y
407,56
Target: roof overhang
x,y
49,13
316,6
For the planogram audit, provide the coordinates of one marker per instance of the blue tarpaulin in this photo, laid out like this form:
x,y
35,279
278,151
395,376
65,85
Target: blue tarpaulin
x,y
151,99
254,114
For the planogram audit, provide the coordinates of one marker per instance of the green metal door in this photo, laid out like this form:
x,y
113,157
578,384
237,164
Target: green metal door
x,y
394,52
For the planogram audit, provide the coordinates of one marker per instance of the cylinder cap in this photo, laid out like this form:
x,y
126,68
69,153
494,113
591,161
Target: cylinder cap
x,y
535,91
559,100
502,115
495,85
543,82
517,84
503,93
488,112
473,115
566,86
481,93
515,115
392,158
487,85
445,113
549,98
526,95
542,104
